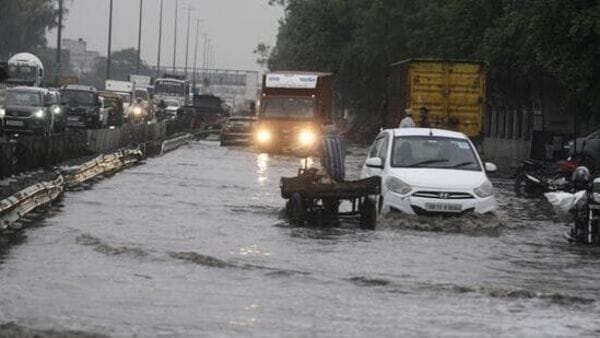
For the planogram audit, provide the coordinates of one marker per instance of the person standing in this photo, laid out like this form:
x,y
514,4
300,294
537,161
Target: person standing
x,y
408,122
425,122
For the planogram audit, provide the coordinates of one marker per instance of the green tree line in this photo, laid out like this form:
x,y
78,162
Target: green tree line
x,y
528,45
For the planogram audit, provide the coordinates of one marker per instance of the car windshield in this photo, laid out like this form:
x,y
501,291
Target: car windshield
x,y
22,72
16,98
169,88
78,97
288,107
141,94
433,152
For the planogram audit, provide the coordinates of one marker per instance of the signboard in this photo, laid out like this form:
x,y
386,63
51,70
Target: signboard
x,y
141,80
299,81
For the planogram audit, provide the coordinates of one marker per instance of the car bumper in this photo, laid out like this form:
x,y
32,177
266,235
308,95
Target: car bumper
x,y
80,120
412,205
22,124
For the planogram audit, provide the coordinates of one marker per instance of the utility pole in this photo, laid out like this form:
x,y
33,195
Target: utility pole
x,y
196,54
159,39
139,51
110,17
175,38
187,44
58,42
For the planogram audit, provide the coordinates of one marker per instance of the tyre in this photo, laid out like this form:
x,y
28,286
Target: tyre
x,y
368,214
297,213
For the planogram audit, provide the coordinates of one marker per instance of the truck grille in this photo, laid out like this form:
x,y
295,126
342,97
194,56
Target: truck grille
x,y
444,195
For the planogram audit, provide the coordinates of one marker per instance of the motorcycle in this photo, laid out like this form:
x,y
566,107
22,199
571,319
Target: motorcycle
x,y
534,179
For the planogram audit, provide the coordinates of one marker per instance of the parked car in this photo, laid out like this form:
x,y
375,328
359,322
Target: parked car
x,y
238,130
29,110
429,171
84,107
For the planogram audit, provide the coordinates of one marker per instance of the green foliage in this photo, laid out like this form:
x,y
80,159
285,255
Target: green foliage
x,y
529,45
23,24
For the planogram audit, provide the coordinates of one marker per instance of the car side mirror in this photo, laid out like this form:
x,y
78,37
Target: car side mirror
x,y
374,162
490,167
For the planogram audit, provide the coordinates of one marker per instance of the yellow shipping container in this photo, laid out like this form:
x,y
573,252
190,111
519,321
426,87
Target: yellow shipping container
x,y
452,91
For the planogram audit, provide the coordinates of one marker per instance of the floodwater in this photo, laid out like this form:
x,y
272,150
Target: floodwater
x,y
194,244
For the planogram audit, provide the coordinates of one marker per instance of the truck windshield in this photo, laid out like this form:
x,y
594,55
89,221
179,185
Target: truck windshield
x,y
78,97
142,94
169,88
22,72
15,98
288,107
433,152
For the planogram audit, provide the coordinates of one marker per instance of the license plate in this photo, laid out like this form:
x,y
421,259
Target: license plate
x,y
15,123
443,207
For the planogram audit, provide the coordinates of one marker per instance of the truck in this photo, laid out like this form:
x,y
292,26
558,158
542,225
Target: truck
x,y
25,69
452,91
294,108
83,106
174,93
133,110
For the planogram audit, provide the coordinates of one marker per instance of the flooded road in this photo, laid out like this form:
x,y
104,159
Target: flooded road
x,y
194,244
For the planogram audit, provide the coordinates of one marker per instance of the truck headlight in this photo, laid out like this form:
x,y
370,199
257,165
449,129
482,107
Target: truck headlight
x,y
263,136
397,185
56,110
307,138
486,189
2,113
39,114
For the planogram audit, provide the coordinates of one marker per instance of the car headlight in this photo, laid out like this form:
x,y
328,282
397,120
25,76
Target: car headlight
x,y
2,113
263,136
307,138
39,114
485,190
397,185
56,110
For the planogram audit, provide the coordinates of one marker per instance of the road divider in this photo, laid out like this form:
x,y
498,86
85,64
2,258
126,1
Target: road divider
x,y
175,142
23,202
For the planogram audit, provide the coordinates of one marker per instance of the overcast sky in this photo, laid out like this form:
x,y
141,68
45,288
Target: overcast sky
x,y
235,26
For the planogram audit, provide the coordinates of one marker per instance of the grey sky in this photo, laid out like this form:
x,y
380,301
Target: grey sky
x,y
235,26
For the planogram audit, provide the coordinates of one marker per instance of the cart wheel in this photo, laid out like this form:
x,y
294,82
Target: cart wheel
x,y
297,213
368,214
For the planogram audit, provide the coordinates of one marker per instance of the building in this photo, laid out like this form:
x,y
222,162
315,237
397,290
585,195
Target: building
x,y
82,61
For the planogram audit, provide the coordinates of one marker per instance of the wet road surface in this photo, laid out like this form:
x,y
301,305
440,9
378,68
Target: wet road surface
x,y
194,244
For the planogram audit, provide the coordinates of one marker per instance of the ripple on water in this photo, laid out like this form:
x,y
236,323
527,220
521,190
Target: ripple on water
x,y
470,224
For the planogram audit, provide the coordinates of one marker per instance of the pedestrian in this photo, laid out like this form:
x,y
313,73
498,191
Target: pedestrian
x,y
408,121
425,122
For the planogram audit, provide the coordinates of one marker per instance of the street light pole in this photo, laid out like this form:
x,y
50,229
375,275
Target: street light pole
x,y
196,54
58,42
175,38
187,44
139,51
110,17
160,20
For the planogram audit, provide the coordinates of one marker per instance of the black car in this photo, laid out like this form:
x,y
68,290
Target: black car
x,y
30,110
83,107
238,130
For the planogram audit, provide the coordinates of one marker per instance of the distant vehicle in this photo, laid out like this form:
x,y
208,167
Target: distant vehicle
x,y
587,151
238,130
172,90
124,88
453,92
30,110
294,107
114,107
25,69
211,110
429,171
83,107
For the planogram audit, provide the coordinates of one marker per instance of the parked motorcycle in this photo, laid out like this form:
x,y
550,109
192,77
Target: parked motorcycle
x,y
534,179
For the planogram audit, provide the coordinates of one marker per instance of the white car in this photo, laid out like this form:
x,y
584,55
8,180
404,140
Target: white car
x,y
429,171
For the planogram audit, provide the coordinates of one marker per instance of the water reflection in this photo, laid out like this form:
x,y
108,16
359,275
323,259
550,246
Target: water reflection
x,y
262,162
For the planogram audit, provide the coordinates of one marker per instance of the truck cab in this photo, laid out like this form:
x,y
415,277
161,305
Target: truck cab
x,y
25,69
294,106
83,107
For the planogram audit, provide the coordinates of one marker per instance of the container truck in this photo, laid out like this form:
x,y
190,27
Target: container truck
x,y
452,91
294,107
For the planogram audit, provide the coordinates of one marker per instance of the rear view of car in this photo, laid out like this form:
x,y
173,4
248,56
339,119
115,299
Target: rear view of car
x,y
237,130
